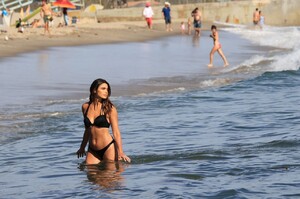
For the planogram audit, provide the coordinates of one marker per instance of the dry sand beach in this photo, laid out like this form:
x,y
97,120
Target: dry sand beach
x,y
127,25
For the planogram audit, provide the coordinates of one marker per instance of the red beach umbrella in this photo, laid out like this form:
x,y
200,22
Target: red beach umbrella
x,y
64,4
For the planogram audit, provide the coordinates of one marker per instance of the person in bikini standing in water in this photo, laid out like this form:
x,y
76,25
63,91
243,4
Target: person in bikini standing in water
x,y
99,114
217,47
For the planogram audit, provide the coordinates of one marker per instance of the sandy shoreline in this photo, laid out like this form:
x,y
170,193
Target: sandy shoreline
x,y
86,32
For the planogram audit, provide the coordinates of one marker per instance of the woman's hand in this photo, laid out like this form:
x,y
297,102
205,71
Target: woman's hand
x,y
80,153
124,157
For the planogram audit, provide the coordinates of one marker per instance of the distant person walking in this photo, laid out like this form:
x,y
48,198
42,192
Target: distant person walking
x,y
217,47
46,14
166,11
196,14
256,17
148,14
65,15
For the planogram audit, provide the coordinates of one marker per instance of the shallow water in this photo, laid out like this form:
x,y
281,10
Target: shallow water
x,y
191,132
67,70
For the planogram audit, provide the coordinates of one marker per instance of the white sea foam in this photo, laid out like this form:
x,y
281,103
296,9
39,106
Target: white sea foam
x,y
288,61
279,37
285,38
215,82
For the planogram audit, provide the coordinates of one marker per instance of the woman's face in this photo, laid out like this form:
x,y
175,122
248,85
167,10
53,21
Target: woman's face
x,y
102,91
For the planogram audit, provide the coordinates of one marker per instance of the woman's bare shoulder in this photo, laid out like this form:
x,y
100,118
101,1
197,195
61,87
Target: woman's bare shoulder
x,y
113,111
84,106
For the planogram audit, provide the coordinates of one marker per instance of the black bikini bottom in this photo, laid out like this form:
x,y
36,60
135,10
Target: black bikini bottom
x,y
100,153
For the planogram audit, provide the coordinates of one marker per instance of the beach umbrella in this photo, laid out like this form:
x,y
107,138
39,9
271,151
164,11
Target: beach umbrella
x,y
64,4
93,8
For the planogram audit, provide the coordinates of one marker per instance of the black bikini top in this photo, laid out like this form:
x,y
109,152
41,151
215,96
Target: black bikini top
x,y
100,121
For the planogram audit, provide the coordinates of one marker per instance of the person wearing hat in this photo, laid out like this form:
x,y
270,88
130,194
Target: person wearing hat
x,y
148,14
166,11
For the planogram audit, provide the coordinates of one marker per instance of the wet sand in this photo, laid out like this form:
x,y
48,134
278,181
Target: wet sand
x,y
86,32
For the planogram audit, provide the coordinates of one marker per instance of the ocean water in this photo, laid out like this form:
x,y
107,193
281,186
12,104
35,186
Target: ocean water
x,y
191,132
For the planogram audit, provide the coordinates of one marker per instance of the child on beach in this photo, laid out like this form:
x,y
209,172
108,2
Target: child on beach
x,y
182,27
217,47
261,20
148,14
189,24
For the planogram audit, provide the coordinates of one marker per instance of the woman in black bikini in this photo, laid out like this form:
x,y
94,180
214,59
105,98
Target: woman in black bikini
x,y
99,113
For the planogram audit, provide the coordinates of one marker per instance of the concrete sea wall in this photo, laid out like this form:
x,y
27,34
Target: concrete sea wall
x,y
276,12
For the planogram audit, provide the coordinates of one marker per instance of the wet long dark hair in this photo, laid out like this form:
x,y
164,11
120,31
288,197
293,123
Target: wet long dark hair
x,y
106,103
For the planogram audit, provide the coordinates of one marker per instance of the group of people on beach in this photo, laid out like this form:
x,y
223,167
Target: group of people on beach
x,y
197,23
46,15
258,18
166,12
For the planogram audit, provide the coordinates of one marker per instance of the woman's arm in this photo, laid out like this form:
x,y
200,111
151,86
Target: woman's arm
x,y
215,36
86,136
113,117
85,139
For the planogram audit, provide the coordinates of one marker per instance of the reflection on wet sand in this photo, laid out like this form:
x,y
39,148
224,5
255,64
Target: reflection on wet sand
x,y
196,40
106,174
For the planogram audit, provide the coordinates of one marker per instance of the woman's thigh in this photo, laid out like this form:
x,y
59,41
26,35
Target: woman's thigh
x,y
110,153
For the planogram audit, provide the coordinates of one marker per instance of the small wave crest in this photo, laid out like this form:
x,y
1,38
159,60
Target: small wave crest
x,y
64,101
286,61
25,116
281,144
192,155
215,82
